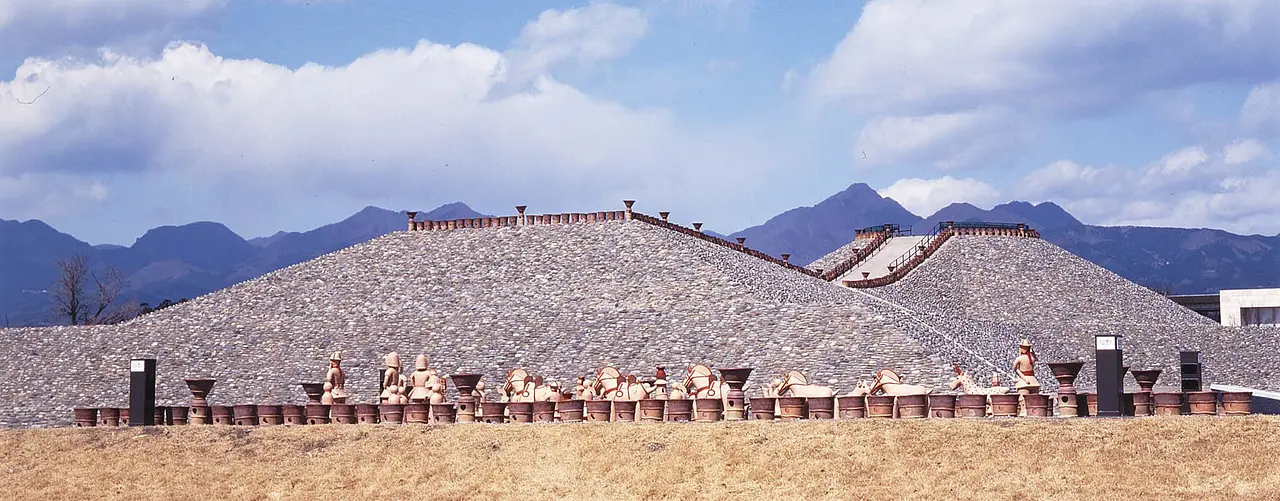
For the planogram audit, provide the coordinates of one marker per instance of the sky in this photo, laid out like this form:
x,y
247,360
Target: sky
x,y
117,116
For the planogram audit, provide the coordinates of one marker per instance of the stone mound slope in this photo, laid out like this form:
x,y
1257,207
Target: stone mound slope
x,y
988,292
560,300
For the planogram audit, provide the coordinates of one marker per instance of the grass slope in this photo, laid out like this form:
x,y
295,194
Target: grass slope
x,y
1150,458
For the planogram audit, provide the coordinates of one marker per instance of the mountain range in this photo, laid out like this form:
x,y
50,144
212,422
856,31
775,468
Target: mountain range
x,y
173,262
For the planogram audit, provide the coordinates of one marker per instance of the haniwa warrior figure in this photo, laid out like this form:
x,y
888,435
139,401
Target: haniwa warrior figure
x,y
334,382
1024,367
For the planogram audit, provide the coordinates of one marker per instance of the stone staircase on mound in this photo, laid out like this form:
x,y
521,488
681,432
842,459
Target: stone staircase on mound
x,y
890,265
889,256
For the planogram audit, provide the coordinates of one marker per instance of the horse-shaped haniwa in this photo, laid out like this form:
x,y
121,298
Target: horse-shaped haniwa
x,y
796,384
522,387
891,383
967,386
611,385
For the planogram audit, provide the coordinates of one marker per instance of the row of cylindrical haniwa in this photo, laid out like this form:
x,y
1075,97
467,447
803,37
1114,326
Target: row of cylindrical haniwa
x,y
705,409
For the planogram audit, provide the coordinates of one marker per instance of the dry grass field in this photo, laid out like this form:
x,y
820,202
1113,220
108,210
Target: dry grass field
x,y
1149,458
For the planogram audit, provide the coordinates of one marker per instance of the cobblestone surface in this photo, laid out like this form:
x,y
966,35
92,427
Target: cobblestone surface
x,y
837,256
559,300
986,293
562,300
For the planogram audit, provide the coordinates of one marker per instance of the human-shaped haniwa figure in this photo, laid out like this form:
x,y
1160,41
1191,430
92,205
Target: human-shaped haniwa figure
x,y
334,382
423,382
1025,369
391,380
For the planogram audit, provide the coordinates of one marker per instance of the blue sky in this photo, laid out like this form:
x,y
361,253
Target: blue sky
x,y
286,114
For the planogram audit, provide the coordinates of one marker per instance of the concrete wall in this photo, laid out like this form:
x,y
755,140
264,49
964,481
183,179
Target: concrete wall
x,y
1233,300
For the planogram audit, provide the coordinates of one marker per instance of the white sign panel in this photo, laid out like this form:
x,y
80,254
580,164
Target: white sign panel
x,y
1106,343
137,366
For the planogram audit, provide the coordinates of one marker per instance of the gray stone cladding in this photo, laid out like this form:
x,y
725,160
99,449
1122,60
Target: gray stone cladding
x,y
986,293
560,300
837,256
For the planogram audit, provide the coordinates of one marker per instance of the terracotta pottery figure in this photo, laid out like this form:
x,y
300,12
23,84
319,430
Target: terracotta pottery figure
x,y
479,392
335,382
611,385
520,386
420,381
580,391
1025,370
391,380
796,384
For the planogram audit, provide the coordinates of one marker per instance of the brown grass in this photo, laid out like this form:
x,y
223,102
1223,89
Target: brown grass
x,y
1150,458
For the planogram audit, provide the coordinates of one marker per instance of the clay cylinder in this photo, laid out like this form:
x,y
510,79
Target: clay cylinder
x,y
366,414
1203,403
466,412
680,410
1038,405
852,407
493,412
178,415
971,406
624,411
792,408
109,416
387,413
294,414
85,416
1005,405
342,413
708,409
1167,404
416,413
222,414
521,412
443,413
544,412
942,406
762,408
651,410
1091,404
1067,405
269,414
735,408
200,415
598,411
1142,404
879,406
912,406
123,412
245,415
571,411
1237,403
317,413
821,407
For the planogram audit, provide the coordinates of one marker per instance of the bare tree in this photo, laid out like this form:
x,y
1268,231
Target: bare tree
x,y
85,296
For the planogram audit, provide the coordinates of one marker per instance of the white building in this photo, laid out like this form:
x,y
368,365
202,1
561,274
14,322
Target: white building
x,y
1250,307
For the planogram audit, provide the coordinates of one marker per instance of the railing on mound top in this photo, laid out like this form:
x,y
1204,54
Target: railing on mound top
x,y
940,233
740,246
878,235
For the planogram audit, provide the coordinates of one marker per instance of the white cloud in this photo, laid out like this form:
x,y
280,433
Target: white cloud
x,y
44,27
946,141
402,127
927,57
926,196
1189,187
1244,151
1261,110
583,36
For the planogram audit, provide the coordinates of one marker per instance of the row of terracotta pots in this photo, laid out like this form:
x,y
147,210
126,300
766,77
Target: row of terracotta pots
x,y
1198,403
119,416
